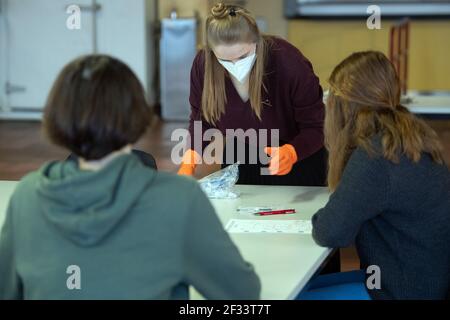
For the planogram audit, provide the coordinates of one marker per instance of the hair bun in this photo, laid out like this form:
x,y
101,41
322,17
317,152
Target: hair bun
x,y
219,10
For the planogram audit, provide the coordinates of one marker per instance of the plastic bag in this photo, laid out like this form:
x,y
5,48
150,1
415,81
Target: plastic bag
x,y
220,184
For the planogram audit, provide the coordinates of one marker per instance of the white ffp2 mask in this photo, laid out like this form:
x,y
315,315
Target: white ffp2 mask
x,y
240,69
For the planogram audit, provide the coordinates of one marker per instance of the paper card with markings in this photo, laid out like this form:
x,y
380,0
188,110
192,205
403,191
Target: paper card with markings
x,y
269,226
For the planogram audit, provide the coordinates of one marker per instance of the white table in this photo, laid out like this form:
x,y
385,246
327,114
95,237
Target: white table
x,y
284,262
429,104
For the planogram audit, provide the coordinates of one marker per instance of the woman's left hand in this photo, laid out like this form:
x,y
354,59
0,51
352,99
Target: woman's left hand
x,y
282,159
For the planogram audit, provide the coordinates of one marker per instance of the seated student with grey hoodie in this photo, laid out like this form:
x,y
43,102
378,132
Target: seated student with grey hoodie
x,y
391,188
107,227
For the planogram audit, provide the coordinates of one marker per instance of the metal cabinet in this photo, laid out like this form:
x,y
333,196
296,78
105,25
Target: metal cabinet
x,y
177,51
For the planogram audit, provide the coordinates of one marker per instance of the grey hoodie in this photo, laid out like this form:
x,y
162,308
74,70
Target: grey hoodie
x,y
123,232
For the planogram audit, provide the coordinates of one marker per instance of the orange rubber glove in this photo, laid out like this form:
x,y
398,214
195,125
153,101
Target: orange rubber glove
x,y
283,158
189,162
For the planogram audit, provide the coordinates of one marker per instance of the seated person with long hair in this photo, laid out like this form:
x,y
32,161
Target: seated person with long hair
x,y
390,189
128,231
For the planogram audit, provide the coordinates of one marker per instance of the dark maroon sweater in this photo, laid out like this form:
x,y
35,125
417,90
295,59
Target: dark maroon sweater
x,y
293,102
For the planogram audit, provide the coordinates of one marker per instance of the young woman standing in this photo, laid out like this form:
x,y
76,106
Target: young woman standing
x,y
245,80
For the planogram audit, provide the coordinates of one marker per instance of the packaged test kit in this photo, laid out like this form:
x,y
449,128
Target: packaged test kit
x,y
220,184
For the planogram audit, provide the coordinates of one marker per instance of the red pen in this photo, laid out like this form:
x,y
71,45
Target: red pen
x,y
268,213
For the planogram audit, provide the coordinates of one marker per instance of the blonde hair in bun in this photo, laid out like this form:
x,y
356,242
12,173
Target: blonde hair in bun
x,y
219,11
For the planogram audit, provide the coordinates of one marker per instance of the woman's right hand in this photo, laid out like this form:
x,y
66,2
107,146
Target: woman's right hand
x,y
186,170
189,162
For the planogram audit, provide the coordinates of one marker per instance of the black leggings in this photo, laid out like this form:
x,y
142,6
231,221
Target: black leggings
x,y
307,172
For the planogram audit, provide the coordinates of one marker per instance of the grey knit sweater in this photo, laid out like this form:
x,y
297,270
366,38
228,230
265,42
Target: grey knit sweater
x,y
398,215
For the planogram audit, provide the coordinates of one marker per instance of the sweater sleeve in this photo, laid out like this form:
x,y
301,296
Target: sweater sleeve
x,y
360,196
213,264
195,99
307,100
10,284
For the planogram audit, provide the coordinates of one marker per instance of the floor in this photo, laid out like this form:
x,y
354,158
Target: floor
x,y
23,148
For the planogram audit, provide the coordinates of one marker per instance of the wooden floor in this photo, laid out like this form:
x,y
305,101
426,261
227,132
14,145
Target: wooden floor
x,y
23,148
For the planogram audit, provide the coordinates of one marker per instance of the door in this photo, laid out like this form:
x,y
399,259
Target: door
x,y
38,44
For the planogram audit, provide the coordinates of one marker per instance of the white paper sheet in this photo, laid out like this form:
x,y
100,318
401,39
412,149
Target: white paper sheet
x,y
269,226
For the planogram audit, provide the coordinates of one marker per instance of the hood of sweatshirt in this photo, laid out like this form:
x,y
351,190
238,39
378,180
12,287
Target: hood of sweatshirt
x,y
87,205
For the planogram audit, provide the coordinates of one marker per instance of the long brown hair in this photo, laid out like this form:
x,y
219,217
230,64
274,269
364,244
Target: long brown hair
x,y
225,28
364,101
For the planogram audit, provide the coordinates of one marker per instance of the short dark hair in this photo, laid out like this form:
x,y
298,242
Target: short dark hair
x,y
96,106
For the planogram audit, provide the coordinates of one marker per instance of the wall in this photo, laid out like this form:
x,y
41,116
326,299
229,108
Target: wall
x,y
272,12
326,43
